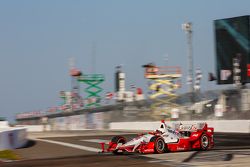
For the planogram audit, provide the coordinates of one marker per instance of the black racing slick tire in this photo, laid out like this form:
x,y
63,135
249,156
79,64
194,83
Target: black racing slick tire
x,y
117,140
204,140
159,144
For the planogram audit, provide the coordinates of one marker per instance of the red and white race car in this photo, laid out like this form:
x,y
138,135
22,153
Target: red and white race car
x,y
166,139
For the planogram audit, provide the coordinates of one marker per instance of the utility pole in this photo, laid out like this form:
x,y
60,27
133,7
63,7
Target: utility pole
x,y
187,27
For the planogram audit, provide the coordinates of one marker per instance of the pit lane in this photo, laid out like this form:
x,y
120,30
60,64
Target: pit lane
x,y
229,148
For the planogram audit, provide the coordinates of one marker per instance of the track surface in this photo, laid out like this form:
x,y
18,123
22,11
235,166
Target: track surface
x,y
43,154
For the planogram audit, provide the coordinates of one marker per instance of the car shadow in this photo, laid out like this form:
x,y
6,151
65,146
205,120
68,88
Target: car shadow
x,y
30,143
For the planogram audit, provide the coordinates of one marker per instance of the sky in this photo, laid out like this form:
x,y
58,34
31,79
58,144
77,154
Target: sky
x,y
37,39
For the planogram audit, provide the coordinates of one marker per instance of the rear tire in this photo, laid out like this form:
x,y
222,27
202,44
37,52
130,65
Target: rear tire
x,y
204,140
117,140
159,144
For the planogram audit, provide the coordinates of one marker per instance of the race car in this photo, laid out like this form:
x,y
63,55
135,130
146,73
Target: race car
x,y
165,139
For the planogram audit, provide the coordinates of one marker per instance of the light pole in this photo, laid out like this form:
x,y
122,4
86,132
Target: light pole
x,y
187,27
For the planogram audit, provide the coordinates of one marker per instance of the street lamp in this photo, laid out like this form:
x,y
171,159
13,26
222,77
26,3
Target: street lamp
x,y
187,27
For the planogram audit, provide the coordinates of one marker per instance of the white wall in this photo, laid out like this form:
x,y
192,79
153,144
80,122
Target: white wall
x,y
4,124
36,128
12,138
233,126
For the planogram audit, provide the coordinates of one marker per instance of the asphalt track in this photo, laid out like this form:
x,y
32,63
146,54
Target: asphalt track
x,y
82,151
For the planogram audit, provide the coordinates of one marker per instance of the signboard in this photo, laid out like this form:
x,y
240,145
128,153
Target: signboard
x,y
232,39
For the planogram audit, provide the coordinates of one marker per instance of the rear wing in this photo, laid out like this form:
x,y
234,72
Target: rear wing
x,y
191,127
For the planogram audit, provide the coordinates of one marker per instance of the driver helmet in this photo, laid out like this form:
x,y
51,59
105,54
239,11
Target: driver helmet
x,y
162,128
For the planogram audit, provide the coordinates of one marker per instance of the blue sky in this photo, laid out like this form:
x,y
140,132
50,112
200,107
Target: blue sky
x,y
37,38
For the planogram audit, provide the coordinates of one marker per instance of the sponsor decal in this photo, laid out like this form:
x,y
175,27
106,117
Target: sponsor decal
x,y
195,135
180,148
11,139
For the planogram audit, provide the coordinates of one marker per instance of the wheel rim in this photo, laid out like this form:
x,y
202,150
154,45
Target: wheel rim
x,y
160,145
204,141
121,140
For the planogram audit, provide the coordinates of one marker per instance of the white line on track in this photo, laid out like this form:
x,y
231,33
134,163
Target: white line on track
x,y
96,141
171,163
86,148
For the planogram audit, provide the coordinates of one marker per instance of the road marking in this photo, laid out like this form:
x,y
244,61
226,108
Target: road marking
x,y
97,141
172,163
86,148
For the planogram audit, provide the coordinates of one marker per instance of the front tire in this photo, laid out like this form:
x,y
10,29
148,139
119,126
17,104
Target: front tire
x,y
159,144
117,140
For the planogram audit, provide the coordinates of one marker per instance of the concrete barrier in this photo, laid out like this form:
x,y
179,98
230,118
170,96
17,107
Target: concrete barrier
x,y
12,138
230,126
4,124
36,128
